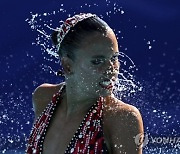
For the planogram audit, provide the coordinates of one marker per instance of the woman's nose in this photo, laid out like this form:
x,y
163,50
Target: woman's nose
x,y
109,67
112,67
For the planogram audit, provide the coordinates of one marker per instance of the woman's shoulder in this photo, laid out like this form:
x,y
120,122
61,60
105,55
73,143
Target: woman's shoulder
x,y
126,108
124,122
117,107
119,112
42,95
46,90
47,87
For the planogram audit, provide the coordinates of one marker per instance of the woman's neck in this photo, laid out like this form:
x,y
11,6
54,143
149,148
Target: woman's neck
x,y
75,101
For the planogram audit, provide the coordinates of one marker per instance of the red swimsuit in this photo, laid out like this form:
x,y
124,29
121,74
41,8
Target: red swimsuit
x,y
88,139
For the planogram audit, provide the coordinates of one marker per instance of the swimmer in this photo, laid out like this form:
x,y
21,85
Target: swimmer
x,y
82,115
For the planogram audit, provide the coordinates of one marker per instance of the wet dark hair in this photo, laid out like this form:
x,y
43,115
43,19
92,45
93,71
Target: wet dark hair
x,y
76,35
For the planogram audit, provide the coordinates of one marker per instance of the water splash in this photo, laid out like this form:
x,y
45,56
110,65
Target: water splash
x,y
126,84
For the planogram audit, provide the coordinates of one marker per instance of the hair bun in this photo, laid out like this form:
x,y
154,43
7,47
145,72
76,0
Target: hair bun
x,y
54,37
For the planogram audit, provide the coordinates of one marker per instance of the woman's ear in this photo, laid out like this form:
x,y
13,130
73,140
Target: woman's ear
x,y
67,64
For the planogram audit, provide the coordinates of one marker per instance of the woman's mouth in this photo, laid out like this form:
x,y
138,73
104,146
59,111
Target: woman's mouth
x,y
106,84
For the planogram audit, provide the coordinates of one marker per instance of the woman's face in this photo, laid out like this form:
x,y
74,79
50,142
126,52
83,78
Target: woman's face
x,y
96,65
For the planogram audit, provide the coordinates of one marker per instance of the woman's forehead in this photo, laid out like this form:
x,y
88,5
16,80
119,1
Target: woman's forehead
x,y
97,37
99,43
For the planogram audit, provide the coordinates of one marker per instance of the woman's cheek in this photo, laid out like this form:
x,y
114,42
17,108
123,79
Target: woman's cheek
x,y
91,71
100,69
96,71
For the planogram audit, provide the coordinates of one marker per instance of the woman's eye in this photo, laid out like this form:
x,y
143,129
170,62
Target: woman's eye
x,y
97,61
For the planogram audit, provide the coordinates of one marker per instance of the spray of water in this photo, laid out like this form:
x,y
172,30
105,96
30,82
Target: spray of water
x,y
126,84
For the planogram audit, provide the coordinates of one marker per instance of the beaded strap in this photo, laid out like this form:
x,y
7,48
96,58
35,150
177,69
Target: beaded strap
x,y
89,138
35,143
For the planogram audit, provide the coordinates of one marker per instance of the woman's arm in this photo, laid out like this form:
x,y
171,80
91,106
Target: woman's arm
x,y
126,124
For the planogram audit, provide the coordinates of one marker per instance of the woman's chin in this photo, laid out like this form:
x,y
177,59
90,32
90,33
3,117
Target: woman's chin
x,y
104,92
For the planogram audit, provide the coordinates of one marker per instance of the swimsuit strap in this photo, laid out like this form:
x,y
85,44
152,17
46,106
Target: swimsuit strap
x,y
89,137
37,135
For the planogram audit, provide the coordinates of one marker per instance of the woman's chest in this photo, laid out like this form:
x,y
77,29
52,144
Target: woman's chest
x,y
60,134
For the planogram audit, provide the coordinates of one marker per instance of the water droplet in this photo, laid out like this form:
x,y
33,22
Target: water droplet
x,y
88,123
72,150
94,111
